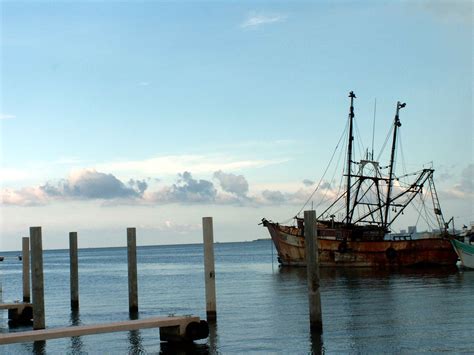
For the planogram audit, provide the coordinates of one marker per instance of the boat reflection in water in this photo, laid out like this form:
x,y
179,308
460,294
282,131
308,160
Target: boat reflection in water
x,y
379,311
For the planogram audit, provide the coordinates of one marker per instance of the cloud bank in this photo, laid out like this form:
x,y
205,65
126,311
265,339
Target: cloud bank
x,y
90,184
222,188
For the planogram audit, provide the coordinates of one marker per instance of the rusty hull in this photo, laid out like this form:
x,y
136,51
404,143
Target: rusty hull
x,y
290,245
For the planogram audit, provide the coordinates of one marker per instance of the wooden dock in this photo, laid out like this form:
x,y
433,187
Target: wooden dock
x,y
14,305
172,329
187,328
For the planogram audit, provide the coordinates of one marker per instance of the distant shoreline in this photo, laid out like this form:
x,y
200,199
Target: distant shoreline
x,y
3,252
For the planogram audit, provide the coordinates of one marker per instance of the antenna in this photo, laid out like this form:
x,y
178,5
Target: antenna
x,y
373,127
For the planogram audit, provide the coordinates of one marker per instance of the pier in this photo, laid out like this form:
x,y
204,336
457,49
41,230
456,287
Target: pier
x,y
172,328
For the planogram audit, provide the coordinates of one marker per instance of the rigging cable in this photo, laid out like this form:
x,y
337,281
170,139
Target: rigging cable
x,y
325,171
359,140
373,128
432,218
428,223
323,199
401,151
385,143
410,174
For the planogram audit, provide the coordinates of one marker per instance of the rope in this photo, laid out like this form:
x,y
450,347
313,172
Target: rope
x,y
325,171
420,215
336,168
401,151
385,143
359,141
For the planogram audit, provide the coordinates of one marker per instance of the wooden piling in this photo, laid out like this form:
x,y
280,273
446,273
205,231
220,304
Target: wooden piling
x,y
210,281
74,270
132,270
25,258
37,278
312,264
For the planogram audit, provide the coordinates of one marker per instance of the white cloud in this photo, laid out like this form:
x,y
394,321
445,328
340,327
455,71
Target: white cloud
x,y
175,164
85,184
281,186
186,189
4,116
158,168
28,196
91,184
180,228
255,20
235,184
274,196
38,171
12,174
464,188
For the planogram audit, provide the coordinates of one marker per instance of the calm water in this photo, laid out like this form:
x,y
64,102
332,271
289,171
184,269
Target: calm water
x,y
261,308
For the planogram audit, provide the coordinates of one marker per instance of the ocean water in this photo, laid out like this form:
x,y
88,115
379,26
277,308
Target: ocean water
x,y
261,308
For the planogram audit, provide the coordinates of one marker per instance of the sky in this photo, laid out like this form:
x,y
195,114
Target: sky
x,y
154,114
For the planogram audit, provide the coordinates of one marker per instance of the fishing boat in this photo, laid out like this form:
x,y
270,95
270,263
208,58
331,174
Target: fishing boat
x,y
464,247
355,230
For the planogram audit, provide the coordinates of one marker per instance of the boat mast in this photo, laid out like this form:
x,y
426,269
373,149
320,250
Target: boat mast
x,y
349,158
396,124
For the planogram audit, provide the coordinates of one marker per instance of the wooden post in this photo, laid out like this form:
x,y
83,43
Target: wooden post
x,y
37,278
132,270
312,264
25,257
210,281
74,270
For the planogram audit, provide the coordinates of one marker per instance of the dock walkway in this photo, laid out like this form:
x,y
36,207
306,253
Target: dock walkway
x,y
171,329
14,305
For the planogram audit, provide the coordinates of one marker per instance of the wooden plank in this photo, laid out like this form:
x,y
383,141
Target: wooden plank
x,y
55,333
14,305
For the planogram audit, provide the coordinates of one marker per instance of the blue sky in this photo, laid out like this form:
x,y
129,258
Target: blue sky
x,y
154,114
